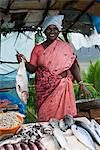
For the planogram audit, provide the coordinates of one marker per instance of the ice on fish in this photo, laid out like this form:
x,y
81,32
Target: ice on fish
x,y
22,82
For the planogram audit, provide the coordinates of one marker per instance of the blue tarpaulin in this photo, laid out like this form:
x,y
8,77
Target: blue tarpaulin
x,y
96,22
13,100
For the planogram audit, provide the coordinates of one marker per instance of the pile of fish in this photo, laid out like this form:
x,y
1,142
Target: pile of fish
x,y
52,135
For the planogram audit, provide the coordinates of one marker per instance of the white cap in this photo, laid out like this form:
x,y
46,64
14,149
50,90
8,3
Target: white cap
x,y
53,20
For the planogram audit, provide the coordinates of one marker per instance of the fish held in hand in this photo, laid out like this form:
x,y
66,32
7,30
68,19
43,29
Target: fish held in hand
x,y
22,82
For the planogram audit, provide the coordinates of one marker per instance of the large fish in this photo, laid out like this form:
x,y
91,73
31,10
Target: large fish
x,y
91,130
83,136
22,82
50,142
58,134
95,126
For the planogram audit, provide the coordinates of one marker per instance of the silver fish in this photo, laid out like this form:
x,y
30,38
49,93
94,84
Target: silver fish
x,y
10,141
50,142
58,134
95,126
90,130
83,136
22,82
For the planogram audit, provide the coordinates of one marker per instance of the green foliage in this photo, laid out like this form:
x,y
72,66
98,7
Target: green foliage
x,y
89,76
31,107
92,75
76,91
97,77
80,95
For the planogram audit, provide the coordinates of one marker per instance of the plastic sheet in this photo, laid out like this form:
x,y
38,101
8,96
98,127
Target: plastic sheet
x,y
14,100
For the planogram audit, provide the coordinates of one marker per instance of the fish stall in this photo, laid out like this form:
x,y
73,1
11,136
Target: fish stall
x,y
66,134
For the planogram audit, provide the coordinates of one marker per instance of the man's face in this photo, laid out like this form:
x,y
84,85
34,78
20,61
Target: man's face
x,y
51,32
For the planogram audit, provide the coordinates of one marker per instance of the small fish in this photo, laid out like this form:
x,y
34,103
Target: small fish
x,y
22,82
24,146
9,147
40,146
12,140
17,146
32,146
83,136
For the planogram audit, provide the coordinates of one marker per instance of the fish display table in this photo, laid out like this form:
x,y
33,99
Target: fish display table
x,y
51,136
